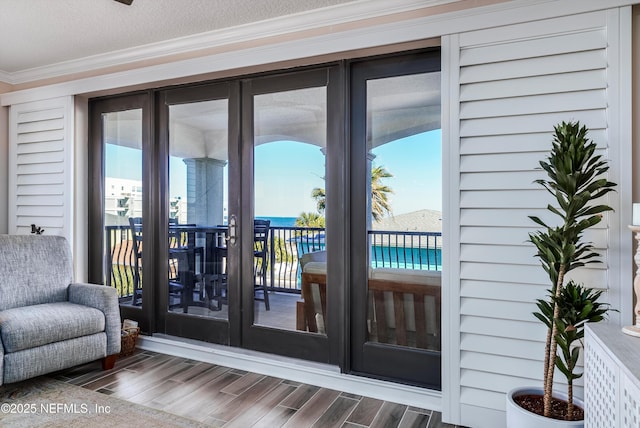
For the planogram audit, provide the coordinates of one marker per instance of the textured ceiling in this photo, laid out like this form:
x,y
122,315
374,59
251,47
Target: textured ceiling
x,y
37,33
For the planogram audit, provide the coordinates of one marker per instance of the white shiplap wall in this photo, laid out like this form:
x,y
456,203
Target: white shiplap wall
x,y
40,167
509,86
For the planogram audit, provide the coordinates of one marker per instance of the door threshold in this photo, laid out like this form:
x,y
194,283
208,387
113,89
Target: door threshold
x,y
309,372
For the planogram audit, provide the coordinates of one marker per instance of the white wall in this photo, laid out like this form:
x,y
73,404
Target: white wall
x,y
81,190
4,166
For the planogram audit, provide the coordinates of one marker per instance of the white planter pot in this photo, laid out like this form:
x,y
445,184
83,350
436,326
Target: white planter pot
x,y
517,417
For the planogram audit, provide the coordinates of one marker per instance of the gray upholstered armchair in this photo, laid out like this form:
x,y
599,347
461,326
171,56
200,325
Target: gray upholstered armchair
x,y
47,322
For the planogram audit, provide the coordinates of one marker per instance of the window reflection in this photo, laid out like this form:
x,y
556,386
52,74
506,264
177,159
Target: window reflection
x,y
404,205
122,136
289,169
198,183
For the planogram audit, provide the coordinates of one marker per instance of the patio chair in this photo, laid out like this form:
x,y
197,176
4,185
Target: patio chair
x,y
185,257
217,283
182,275
260,243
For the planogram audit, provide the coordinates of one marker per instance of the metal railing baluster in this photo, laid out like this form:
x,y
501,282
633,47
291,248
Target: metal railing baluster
x,y
411,250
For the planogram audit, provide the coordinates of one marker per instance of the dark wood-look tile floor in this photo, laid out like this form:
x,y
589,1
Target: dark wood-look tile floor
x,y
220,396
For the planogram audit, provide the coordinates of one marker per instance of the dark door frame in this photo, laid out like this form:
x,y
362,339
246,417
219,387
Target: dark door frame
x,y
226,332
97,107
308,346
345,215
408,365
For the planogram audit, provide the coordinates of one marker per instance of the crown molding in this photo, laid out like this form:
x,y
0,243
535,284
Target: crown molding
x,y
304,21
6,77
419,28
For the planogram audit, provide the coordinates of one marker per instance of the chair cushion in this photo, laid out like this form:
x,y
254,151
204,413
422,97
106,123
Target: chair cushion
x,y
30,326
315,267
410,276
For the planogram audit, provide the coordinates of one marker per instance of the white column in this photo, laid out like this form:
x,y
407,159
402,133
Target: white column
x,y
205,189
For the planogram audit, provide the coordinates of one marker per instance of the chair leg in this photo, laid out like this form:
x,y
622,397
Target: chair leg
x,y
137,290
265,291
109,361
266,297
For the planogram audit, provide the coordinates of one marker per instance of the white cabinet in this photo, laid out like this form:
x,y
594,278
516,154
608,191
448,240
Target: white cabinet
x,y
612,372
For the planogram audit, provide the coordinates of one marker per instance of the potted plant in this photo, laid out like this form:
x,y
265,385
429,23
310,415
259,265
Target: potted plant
x,y
575,180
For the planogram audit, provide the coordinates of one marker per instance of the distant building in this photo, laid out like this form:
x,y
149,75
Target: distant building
x,y
123,199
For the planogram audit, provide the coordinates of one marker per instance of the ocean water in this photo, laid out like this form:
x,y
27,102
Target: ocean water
x,y
406,258
280,221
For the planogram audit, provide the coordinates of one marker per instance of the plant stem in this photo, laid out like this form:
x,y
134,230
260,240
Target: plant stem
x,y
547,353
552,348
570,400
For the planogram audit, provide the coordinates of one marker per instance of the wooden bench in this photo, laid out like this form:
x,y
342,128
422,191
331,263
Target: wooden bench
x,y
405,313
404,306
311,311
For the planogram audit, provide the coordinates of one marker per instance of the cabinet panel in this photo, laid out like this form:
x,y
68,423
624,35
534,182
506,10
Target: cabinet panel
x,y
612,378
601,387
629,404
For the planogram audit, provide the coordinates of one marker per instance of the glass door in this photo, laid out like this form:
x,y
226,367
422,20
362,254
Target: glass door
x,y
118,165
396,219
199,295
289,302
211,219
295,213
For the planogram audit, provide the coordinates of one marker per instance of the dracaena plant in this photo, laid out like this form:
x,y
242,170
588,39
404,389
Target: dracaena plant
x,y
577,305
575,179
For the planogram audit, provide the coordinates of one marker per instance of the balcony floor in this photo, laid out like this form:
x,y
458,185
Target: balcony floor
x,y
220,396
282,313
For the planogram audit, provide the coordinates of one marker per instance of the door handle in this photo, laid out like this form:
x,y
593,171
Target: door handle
x,y
233,230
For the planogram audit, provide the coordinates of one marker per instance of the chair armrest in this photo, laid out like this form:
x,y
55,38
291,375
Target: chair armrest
x,y
1,364
105,299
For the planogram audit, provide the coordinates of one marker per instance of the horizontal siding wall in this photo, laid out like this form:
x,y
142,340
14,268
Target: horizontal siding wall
x,y
40,167
515,83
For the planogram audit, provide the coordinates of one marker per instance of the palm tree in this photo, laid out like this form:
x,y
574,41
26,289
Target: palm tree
x,y
310,220
321,198
379,194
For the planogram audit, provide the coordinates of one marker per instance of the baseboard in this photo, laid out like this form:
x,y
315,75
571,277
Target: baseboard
x,y
323,375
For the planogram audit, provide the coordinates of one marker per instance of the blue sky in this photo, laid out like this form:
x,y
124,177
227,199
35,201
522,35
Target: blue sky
x,y
123,162
416,165
286,172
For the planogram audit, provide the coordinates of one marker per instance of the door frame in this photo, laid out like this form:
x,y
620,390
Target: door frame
x,y
371,359
95,241
345,224
314,347
208,329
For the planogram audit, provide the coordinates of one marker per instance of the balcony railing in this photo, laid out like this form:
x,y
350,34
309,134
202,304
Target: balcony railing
x,y
389,249
119,266
406,250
